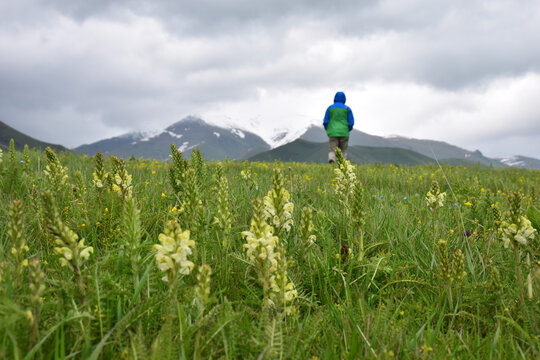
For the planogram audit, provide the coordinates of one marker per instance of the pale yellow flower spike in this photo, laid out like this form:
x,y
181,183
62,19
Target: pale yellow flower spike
x,y
435,198
172,252
278,208
519,233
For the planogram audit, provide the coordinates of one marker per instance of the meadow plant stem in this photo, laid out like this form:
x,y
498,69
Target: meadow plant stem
x,y
34,331
435,227
361,245
519,280
291,180
98,302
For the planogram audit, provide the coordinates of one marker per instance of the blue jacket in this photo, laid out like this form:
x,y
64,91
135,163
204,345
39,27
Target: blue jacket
x,y
338,119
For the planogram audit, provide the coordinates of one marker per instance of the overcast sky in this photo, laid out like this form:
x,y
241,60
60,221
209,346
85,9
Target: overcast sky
x,y
462,71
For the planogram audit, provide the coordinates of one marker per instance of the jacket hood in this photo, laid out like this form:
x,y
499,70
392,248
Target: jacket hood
x,y
340,97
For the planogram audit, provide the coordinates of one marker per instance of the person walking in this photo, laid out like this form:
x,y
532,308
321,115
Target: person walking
x,y
338,122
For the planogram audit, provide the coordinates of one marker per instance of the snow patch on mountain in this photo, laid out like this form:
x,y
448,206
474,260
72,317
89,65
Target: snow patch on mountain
x,y
217,134
147,135
134,136
393,136
185,146
284,136
174,135
263,128
514,161
238,132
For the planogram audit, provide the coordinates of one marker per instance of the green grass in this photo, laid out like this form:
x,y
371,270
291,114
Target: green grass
x,y
389,303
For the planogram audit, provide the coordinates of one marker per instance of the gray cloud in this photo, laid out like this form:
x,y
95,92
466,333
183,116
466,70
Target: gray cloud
x,y
106,67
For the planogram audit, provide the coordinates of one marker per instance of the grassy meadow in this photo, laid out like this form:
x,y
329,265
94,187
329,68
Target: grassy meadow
x,y
104,258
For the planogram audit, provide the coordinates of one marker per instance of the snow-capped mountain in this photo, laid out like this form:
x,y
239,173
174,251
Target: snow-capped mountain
x,y
215,143
521,162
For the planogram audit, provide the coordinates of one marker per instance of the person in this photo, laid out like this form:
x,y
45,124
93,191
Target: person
x,y
338,123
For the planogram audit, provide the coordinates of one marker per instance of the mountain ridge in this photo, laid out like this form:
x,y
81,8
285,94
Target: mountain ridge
x,y
20,139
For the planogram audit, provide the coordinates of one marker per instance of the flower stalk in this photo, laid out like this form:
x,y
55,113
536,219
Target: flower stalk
x,y
16,235
306,227
177,171
55,173
99,176
223,218
121,179
26,159
72,252
267,255
517,231
278,208
344,181
435,200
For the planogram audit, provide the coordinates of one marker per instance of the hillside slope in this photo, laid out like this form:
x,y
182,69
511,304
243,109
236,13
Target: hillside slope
x,y
430,148
7,133
305,151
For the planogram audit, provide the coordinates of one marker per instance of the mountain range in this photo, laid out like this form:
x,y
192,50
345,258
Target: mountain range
x,y
305,145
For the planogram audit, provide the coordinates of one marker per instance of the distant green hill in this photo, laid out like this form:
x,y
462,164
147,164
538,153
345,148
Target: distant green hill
x,y
7,133
430,148
305,151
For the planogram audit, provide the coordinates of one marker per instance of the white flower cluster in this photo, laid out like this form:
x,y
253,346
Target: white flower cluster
x,y
171,256
433,200
260,246
73,253
519,233
98,183
277,206
344,181
279,209
246,174
122,184
434,197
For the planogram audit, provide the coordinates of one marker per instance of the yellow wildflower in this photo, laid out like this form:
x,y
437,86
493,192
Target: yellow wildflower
x,y
172,252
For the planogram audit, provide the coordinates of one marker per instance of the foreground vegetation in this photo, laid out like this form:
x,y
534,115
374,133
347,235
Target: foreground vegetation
x,y
137,259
